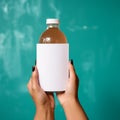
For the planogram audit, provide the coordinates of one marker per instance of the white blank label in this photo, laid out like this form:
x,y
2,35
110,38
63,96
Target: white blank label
x,y
52,64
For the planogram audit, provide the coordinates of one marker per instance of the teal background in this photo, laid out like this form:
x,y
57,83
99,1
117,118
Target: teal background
x,y
92,28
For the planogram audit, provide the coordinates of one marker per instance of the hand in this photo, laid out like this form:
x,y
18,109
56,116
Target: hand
x,y
71,92
69,98
44,101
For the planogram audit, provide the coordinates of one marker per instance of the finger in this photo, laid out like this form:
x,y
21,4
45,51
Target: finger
x,y
51,97
35,79
73,76
50,94
72,71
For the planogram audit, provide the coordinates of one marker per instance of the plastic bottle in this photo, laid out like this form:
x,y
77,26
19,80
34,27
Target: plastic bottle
x,y
52,58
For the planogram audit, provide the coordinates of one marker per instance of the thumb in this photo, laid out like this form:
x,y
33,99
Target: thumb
x,y
73,79
72,71
35,78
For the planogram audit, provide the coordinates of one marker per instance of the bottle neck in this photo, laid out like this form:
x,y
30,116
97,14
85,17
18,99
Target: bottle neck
x,y
52,25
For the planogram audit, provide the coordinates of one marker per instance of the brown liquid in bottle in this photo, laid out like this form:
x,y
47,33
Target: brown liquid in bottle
x,y
53,35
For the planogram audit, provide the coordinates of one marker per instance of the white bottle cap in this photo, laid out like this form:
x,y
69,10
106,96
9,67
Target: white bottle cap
x,y
52,21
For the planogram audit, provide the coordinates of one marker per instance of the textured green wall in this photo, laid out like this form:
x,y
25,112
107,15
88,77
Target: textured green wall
x,y
92,28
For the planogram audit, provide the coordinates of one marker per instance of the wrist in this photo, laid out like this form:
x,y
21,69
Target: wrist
x,y
69,101
45,113
73,110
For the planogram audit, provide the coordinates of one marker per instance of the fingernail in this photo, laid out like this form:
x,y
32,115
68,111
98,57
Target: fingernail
x,y
71,61
33,68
